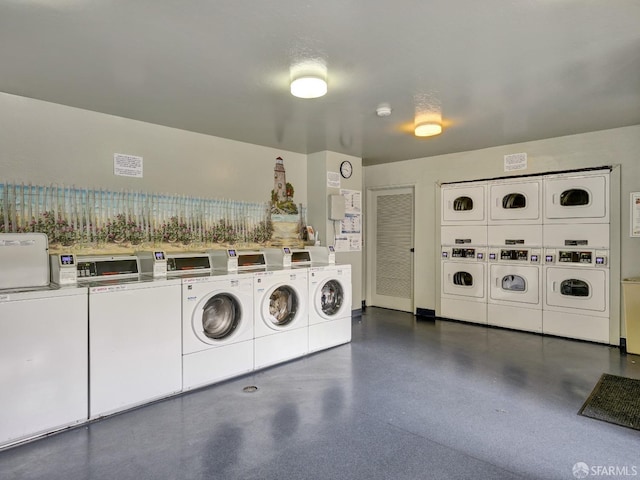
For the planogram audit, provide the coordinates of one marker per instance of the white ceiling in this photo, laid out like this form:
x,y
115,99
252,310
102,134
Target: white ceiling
x,y
501,71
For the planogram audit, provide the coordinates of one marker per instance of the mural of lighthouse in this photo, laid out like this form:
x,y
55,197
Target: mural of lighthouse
x,y
282,193
287,223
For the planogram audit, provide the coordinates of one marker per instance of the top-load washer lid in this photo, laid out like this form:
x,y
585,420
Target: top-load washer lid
x,y
24,260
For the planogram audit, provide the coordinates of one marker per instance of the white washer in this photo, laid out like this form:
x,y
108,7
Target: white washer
x,y
464,203
515,201
515,288
576,294
217,328
281,315
463,283
577,197
135,350
330,306
44,361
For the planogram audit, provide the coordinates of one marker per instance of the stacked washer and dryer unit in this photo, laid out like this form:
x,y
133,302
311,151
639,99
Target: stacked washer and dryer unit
x,y
547,244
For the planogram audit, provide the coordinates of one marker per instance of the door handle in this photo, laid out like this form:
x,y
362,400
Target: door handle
x,y
412,250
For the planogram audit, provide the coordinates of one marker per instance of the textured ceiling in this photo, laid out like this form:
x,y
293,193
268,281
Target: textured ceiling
x,y
500,71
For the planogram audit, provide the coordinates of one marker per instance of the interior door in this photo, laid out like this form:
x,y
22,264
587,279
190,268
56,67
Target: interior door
x,y
390,251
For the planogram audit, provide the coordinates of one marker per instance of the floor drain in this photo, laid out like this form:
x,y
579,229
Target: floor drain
x,y
250,389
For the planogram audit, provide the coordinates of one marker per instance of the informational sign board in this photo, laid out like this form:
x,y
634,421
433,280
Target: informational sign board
x,y
127,165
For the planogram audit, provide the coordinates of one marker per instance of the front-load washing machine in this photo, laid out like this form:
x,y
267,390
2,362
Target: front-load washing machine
x,y
576,294
135,351
463,283
515,201
463,203
217,328
515,288
330,306
281,317
577,197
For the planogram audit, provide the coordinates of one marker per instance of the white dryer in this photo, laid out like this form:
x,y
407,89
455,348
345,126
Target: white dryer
x,y
515,201
217,328
330,306
463,283
576,294
281,315
577,197
463,203
515,288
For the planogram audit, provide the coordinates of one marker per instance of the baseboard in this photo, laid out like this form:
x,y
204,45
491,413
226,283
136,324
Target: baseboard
x,y
426,313
623,345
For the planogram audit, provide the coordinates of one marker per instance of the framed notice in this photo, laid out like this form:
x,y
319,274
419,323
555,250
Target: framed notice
x,y
635,214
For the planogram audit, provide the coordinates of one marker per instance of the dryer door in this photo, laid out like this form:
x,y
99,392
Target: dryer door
x,y
465,279
581,288
584,198
218,319
515,202
464,204
515,283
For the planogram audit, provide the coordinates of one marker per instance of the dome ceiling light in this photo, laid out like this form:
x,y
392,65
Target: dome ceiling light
x,y
428,115
309,79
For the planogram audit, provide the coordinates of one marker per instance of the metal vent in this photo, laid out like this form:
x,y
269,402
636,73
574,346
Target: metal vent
x,y
393,245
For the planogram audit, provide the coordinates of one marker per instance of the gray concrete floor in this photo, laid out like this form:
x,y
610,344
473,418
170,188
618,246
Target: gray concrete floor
x,y
407,399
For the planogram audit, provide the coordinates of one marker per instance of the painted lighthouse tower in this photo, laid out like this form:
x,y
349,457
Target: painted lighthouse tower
x,y
280,181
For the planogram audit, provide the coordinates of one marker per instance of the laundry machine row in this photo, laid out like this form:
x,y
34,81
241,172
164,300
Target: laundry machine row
x,y
533,229
560,198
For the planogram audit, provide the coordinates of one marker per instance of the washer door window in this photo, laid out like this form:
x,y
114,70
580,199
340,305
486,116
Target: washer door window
x,y
331,298
283,306
221,315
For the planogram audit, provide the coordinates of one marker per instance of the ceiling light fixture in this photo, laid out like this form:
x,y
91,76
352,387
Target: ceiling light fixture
x,y
428,129
383,110
308,78
308,86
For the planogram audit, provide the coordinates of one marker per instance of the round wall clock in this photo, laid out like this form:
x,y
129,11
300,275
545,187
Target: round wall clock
x,y
346,169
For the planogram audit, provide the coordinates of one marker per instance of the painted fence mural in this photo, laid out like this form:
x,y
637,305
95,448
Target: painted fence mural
x,y
83,220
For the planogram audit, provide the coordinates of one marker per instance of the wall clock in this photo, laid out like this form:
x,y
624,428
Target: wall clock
x,y
346,169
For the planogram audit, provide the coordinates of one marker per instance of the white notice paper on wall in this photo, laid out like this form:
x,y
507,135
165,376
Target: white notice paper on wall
x,y
127,165
333,180
515,161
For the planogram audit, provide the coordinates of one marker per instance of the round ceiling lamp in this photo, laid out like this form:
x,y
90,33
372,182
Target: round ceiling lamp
x,y
308,86
428,129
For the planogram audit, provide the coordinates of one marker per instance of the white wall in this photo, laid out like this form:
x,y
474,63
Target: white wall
x,y
619,146
318,212
44,143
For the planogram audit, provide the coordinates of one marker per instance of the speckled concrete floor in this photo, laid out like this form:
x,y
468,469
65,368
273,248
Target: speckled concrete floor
x,y
407,399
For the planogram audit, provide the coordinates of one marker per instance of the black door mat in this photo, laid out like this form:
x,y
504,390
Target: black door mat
x,y
615,400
